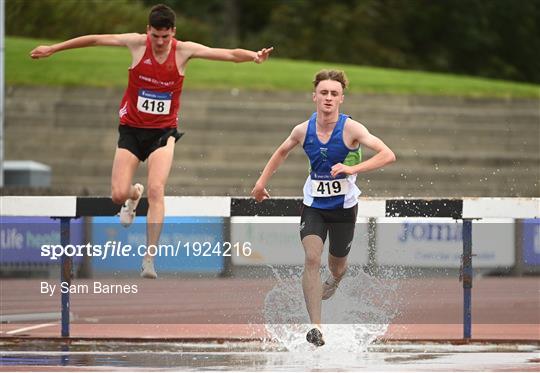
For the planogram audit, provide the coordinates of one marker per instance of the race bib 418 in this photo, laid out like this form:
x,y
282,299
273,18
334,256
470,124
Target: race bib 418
x,y
158,103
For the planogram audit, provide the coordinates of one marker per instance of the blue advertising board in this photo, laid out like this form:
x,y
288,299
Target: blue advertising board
x,y
187,244
22,239
531,242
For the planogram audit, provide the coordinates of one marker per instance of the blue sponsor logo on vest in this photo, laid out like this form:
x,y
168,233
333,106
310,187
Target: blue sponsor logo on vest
x,y
324,153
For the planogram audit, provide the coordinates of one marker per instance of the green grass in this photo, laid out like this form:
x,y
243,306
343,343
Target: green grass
x,y
107,67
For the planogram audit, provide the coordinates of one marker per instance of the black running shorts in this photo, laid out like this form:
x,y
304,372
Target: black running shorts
x,y
338,223
143,141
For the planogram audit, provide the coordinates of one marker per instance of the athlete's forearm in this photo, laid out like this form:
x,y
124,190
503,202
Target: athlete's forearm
x,y
379,160
117,40
243,55
271,167
79,42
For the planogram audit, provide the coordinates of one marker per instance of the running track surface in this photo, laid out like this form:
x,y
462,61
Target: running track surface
x,y
203,309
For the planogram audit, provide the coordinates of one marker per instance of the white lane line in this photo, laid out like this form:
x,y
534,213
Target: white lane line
x,y
22,317
30,328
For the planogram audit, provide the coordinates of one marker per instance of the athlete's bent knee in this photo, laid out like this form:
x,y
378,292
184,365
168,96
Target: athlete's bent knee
x,y
119,196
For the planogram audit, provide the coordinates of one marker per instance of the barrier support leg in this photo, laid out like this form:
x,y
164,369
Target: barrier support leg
x,y
65,275
466,276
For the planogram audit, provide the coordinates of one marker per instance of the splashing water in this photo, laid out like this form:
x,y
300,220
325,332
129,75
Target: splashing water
x,y
358,313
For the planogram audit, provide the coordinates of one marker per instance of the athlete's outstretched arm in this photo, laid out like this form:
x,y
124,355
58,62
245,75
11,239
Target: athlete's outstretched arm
x,y
233,55
114,40
259,191
384,155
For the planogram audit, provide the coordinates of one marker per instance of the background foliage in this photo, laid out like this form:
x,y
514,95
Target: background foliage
x,y
490,38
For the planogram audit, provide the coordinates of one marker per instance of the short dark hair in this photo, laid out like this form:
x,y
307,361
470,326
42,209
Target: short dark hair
x,y
161,17
336,75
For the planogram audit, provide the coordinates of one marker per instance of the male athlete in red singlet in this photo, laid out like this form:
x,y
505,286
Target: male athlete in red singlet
x,y
149,110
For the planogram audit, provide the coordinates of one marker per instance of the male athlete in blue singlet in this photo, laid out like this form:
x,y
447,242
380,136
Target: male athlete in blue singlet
x,y
332,142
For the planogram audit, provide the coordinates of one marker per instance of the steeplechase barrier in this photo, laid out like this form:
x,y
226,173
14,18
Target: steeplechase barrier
x,y
65,208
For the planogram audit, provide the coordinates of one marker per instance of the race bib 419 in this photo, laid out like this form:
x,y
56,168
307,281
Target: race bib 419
x,y
329,188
